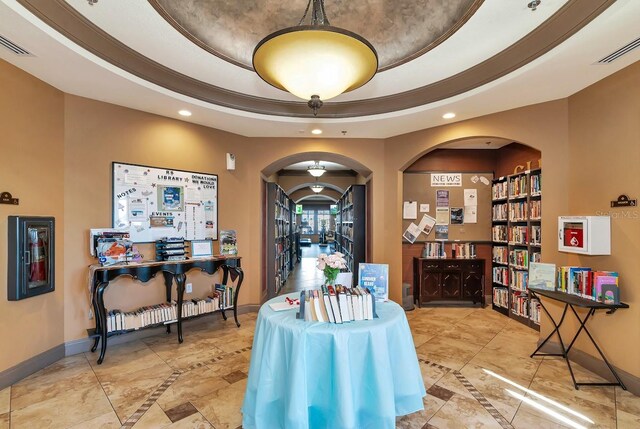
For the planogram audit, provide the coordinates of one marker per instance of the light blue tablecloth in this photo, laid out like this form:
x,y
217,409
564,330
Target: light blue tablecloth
x,y
321,375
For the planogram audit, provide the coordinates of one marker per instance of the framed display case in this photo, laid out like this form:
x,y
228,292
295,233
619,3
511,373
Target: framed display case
x,y
587,235
31,258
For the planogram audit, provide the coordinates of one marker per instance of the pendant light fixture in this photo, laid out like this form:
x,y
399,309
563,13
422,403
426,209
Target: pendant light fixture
x,y
317,188
315,61
316,170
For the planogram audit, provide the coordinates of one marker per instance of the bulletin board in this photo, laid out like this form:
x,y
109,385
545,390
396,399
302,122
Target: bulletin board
x,y
417,187
162,202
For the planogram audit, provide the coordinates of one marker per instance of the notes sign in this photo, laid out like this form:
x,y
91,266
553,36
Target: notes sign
x,y
446,179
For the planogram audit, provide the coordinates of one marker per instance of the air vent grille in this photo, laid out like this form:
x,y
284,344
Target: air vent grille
x,y
13,47
620,52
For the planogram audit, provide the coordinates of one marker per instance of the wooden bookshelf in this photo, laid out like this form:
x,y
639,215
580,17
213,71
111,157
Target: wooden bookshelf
x,y
351,227
280,238
520,212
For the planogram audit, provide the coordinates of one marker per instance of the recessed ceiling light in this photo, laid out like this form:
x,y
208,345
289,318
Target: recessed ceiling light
x,y
449,115
184,113
316,131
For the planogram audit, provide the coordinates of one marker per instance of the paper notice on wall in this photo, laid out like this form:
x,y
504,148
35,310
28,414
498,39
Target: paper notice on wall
x,y
457,215
475,179
410,210
442,215
470,214
442,232
135,179
485,180
138,210
412,233
192,195
470,197
442,198
424,208
426,224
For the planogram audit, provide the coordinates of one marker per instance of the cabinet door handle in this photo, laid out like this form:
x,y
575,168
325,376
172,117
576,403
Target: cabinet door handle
x,y
27,258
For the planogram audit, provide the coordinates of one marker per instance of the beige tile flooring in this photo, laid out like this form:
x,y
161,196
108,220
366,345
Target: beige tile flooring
x,y
210,369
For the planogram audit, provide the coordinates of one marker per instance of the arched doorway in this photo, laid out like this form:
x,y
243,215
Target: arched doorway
x,y
492,216
310,228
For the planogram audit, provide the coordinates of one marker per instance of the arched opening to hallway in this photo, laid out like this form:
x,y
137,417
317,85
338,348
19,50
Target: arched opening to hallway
x,y
300,223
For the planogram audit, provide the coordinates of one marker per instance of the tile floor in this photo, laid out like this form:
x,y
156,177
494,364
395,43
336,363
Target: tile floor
x,y
156,383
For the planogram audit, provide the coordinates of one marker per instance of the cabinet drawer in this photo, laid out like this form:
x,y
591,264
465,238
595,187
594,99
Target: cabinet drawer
x,y
473,266
454,265
431,265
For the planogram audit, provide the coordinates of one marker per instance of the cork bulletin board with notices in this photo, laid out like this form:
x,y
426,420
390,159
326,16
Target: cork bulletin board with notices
x,y
163,202
459,203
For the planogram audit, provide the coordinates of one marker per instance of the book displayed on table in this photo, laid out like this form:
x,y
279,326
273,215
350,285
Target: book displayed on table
x,y
376,278
337,304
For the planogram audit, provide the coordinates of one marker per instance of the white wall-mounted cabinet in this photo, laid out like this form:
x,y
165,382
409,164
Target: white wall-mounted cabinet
x,y
586,235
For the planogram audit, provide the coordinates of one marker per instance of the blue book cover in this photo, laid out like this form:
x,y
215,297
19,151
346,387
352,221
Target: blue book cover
x,y
376,278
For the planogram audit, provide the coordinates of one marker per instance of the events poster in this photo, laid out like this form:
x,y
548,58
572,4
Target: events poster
x,y
442,198
160,202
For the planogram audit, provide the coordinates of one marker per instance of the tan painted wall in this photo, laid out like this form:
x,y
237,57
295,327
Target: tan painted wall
x,y
99,133
604,144
95,134
31,152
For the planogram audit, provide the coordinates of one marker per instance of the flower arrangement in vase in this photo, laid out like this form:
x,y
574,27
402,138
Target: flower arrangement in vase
x,y
330,265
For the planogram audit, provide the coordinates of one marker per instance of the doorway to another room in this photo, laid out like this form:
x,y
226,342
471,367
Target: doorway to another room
x,y
309,210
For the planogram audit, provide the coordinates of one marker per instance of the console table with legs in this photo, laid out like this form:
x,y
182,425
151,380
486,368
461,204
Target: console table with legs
x,y
570,302
172,271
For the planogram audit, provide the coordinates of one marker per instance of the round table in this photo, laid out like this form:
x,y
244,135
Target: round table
x,y
324,375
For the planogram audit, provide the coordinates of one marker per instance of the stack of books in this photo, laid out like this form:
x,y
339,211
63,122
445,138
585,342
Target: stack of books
x,y
337,304
163,313
226,295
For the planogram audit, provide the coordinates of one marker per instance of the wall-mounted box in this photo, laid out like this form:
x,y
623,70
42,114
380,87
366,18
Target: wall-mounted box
x,y
586,235
31,261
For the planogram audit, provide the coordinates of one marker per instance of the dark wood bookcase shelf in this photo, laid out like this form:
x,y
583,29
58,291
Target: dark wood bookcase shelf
x,y
280,240
351,227
517,212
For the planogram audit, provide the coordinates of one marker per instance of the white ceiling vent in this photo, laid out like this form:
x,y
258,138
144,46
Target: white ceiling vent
x,y
13,47
620,52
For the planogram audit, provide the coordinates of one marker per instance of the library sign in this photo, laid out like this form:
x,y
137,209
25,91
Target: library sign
x,y
446,179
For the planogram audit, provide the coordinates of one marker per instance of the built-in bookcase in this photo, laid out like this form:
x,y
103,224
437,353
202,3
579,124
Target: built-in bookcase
x,y
351,227
517,241
280,238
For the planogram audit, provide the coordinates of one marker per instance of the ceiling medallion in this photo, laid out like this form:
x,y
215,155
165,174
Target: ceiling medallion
x,y
315,62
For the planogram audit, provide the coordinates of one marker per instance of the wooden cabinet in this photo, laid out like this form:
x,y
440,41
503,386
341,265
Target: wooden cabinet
x,y
448,280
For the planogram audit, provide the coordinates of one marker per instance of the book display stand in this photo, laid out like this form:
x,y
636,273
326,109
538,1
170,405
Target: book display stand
x,y
572,301
145,271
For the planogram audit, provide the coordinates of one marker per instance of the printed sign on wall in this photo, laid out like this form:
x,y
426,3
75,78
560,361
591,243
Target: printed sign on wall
x,y
446,179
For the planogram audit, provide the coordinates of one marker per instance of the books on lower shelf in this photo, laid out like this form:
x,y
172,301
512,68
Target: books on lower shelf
x,y
520,304
518,280
534,307
501,297
499,233
337,304
501,275
519,258
163,313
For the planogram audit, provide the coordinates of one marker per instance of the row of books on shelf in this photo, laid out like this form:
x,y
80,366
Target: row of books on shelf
x,y
118,320
500,254
501,297
499,190
518,186
337,304
524,306
436,250
584,282
519,258
499,212
535,187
